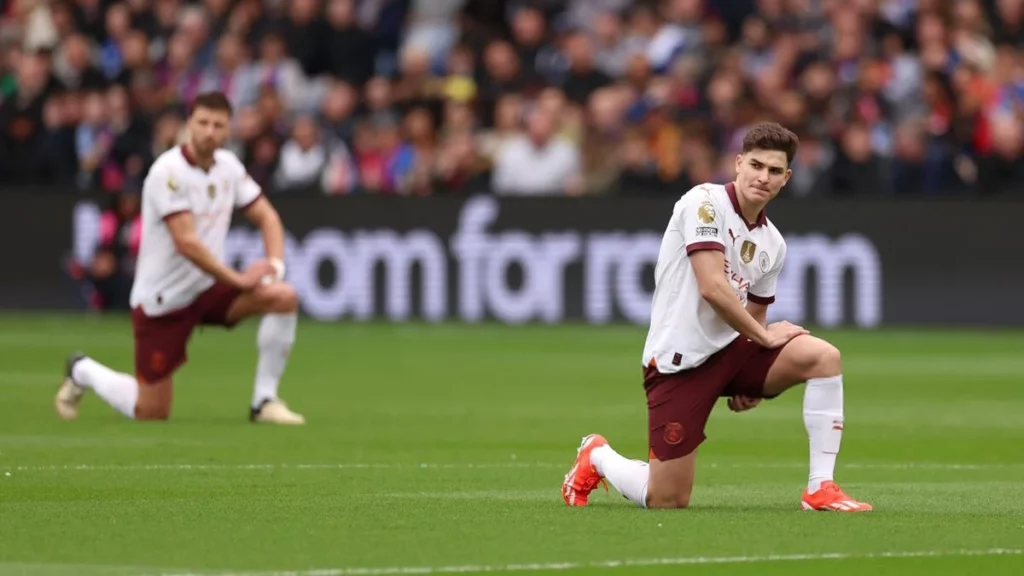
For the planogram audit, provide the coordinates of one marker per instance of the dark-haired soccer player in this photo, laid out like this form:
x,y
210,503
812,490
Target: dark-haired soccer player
x,y
716,275
181,281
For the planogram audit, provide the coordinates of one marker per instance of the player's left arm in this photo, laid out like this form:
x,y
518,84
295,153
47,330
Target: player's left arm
x,y
258,209
263,215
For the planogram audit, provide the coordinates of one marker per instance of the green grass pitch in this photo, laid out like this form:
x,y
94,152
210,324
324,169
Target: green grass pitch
x,y
439,449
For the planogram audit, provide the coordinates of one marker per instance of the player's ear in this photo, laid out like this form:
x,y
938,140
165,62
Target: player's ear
x,y
789,174
739,162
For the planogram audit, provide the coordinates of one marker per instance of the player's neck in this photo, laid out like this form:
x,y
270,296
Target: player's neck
x,y
749,210
200,160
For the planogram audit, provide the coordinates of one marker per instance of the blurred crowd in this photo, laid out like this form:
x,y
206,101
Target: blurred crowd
x,y
441,97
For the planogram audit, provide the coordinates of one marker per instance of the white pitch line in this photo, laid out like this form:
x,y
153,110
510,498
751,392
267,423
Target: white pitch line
x,y
476,466
638,563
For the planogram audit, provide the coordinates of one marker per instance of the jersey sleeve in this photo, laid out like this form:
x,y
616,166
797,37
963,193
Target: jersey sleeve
x,y
701,222
763,292
166,194
248,191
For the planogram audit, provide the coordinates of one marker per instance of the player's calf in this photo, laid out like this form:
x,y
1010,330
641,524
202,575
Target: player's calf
x,y
278,303
82,373
819,364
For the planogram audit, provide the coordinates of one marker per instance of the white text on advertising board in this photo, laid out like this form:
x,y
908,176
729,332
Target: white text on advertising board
x,y
475,262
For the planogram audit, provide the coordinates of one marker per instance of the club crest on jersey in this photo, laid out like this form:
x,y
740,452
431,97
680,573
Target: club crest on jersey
x,y
764,261
747,251
706,212
211,190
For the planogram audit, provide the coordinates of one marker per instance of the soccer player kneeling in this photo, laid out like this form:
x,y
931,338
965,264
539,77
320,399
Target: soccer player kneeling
x,y
188,198
715,277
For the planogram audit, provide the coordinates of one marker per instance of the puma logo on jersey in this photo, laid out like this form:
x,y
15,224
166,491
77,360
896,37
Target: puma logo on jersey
x,y
733,236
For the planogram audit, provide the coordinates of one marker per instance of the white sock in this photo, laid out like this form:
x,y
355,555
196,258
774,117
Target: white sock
x,y
823,418
117,389
629,477
274,340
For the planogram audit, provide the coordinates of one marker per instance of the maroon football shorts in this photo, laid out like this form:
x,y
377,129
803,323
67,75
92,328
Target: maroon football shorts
x,y
679,404
161,342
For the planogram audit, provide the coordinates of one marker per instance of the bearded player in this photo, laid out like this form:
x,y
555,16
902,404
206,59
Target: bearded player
x,y
716,275
181,282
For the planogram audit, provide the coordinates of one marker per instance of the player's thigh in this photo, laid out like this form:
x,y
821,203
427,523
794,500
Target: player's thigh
x,y
274,298
671,482
754,363
161,347
161,343
801,359
155,400
678,407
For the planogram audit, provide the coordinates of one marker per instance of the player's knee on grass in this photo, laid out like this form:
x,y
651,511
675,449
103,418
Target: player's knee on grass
x,y
671,482
154,401
668,501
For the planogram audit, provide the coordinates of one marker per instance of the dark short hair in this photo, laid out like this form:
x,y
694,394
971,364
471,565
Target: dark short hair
x,y
215,101
772,136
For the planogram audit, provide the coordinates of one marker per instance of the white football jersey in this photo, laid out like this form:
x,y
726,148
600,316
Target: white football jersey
x,y
685,330
165,280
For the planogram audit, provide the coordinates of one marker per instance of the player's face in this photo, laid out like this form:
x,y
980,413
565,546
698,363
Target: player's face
x,y
208,129
761,174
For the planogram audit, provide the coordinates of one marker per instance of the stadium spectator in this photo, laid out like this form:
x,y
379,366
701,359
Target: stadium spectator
x,y
651,94
22,159
538,162
348,50
303,158
106,280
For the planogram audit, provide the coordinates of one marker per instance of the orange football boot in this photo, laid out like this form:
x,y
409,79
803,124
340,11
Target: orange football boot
x,y
830,498
582,478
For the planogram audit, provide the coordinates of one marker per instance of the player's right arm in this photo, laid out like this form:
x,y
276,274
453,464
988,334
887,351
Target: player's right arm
x,y
182,228
173,206
701,224
708,265
759,312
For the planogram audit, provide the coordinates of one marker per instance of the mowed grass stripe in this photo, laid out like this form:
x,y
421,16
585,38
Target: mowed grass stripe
x,y
412,466
496,413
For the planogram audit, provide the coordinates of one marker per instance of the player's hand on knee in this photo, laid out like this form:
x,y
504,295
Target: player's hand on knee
x,y
780,333
743,403
253,276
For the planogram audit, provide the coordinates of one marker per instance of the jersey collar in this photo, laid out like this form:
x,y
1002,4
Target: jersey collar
x,y
191,160
761,219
